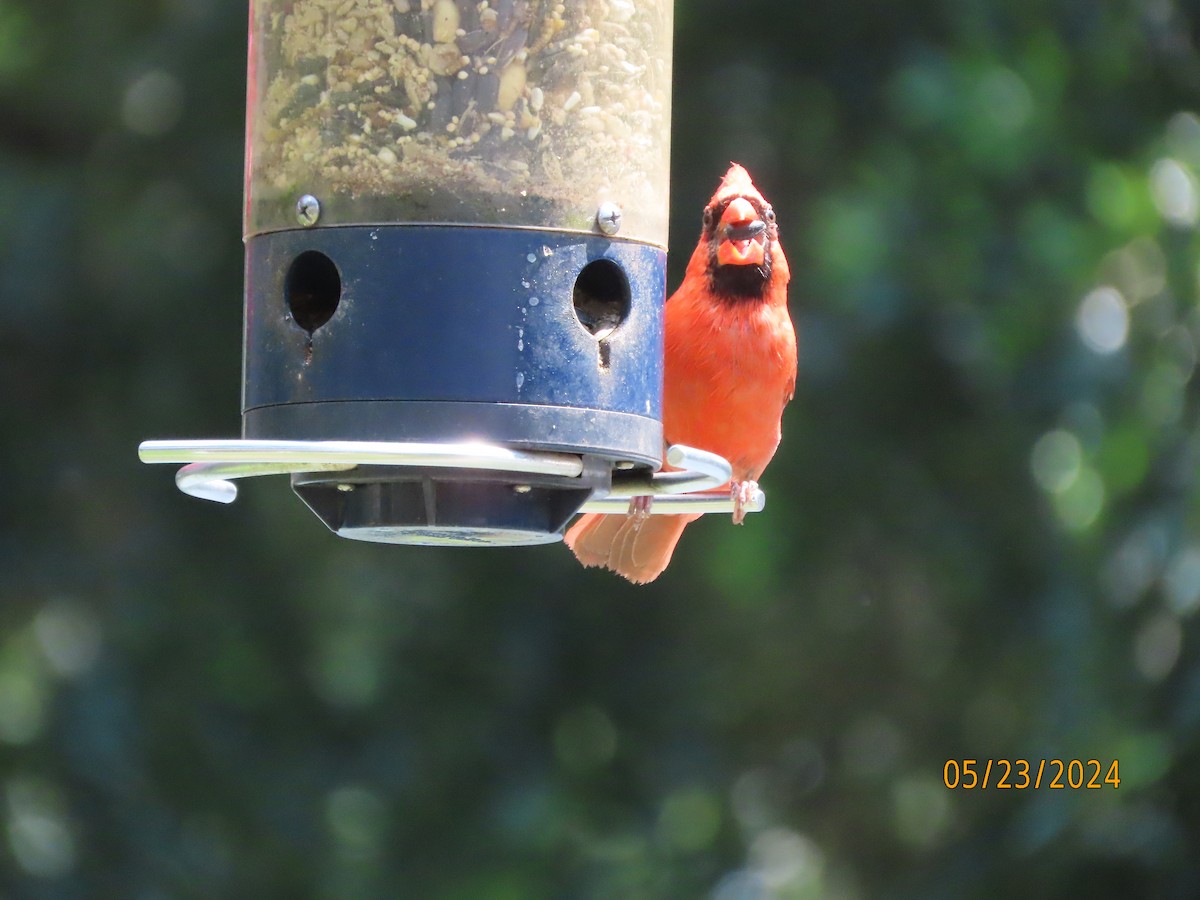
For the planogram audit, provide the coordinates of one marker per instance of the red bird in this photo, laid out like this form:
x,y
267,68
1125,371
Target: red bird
x,y
730,369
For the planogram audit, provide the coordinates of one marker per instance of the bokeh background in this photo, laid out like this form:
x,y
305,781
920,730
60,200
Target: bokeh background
x,y
981,540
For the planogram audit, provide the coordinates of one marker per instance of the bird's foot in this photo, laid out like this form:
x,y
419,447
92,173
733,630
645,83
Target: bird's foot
x,y
639,507
741,492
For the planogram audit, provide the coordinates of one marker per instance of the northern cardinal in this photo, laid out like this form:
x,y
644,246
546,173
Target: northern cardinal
x,y
730,369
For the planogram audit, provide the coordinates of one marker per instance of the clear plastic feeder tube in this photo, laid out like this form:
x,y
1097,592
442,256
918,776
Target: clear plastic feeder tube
x,y
489,112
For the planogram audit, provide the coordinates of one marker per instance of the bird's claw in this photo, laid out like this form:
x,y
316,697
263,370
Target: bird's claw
x,y
639,507
742,493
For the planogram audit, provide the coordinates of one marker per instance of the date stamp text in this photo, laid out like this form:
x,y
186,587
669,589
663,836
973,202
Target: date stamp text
x,y
1023,774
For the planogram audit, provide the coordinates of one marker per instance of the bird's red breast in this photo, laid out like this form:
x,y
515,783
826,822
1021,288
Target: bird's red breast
x,y
730,368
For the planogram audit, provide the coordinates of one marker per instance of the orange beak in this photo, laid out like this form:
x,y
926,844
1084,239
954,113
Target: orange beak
x,y
743,235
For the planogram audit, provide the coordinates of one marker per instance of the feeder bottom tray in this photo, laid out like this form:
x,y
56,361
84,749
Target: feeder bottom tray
x,y
444,507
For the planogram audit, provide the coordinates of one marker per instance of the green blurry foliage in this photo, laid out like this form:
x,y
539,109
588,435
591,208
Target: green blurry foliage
x,y
980,542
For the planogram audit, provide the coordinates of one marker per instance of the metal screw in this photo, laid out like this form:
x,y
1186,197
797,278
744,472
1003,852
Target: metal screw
x,y
625,465
608,217
345,488
308,210
522,488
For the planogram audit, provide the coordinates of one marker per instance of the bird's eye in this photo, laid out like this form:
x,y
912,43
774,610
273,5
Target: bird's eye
x,y
769,214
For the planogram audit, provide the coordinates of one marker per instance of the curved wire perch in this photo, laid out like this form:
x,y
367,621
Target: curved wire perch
x,y
213,480
465,455
687,491
213,464
678,504
699,470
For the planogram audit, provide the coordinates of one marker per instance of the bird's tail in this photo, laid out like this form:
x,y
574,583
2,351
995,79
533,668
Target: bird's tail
x,y
636,547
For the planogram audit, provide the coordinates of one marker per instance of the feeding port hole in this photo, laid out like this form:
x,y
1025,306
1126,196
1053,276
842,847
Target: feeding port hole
x,y
601,297
312,289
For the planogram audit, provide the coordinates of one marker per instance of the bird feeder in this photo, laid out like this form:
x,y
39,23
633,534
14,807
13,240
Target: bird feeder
x,y
455,229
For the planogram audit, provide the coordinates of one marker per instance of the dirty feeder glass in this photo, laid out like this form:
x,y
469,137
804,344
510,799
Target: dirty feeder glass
x,y
509,112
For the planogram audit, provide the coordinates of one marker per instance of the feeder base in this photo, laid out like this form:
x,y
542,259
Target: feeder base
x,y
534,339
446,494
439,507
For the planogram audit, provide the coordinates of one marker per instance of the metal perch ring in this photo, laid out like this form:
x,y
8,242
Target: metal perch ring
x,y
212,465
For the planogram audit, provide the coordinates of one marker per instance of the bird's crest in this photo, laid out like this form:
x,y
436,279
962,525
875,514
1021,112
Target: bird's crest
x,y
736,183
